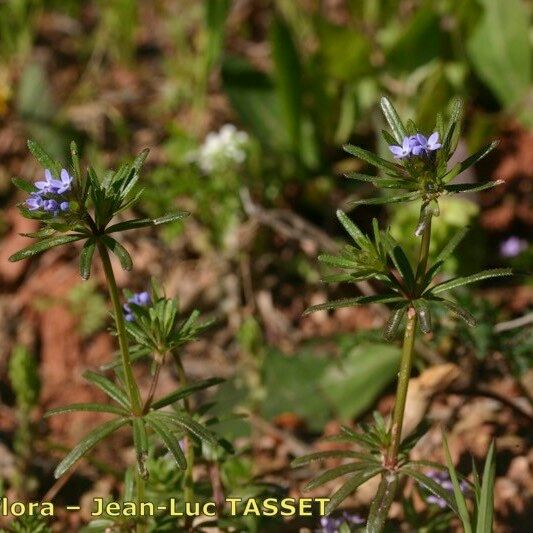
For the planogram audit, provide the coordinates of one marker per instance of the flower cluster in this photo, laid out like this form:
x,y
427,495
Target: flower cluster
x,y
416,145
443,479
50,195
221,148
139,298
330,524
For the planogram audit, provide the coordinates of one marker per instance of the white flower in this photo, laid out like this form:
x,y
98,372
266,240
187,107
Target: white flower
x,y
221,148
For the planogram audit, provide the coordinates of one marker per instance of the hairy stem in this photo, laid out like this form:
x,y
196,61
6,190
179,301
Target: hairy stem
x,y
153,385
131,384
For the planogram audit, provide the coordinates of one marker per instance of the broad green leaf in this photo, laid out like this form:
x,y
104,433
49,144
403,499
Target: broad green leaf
x,y
328,454
44,158
432,486
183,392
88,442
353,302
123,256
169,440
45,244
85,407
381,502
23,185
108,387
458,493
342,470
86,258
396,125
451,245
474,278
486,501
287,78
469,161
500,49
471,187
350,486
371,158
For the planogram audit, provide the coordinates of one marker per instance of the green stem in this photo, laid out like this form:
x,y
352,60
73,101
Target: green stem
x,y
424,251
401,392
131,385
188,482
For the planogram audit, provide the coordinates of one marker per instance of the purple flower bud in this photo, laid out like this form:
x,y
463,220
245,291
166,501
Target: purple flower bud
x,y
51,206
512,247
139,298
64,206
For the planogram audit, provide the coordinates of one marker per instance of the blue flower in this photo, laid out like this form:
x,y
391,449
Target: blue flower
x,y
512,247
34,202
330,524
443,479
62,185
45,186
139,298
402,151
421,145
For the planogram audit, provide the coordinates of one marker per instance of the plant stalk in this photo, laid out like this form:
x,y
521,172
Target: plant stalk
x,y
131,384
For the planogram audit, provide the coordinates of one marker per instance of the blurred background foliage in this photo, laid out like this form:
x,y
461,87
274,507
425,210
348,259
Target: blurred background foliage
x,y
297,79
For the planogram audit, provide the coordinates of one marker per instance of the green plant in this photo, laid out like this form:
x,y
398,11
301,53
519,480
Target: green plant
x,y
421,169
82,207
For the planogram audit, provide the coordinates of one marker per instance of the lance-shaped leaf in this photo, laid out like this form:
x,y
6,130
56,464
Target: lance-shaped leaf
x,y
474,278
338,471
458,493
371,158
451,245
355,233
459,311
403,265
168,438
330,454
471,187
45,244
396,125
123,256
355,481
23,185
408,197
485,509
88,442
44,158
384,183
86,258
432,486
354,302
183,392
108,387
140,441
468,162
185,421
424,314
145,222
390,329
85,407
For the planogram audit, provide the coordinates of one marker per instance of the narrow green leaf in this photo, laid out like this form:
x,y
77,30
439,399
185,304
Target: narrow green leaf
x,y
474,278
23,185
424,314
408,197
329,454
44,158
192,426
108,387
123,256
85,407
140,441
338,471
355,233
183,392
336,261
145,222
432,486
460,312
468,162
88,442
458,493
353,302
396,125
471,187
451,245
486,501
371,158
45,244
169,440
350,486
86,258
404,266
